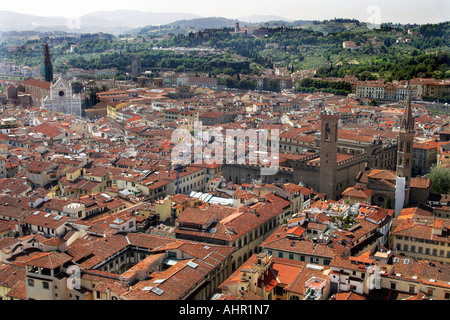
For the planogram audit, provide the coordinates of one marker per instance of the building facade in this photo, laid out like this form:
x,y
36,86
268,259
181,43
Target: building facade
x,y
62,100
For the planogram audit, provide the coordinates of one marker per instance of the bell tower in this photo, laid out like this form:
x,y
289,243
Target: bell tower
x,y
48,68
328,153
405,148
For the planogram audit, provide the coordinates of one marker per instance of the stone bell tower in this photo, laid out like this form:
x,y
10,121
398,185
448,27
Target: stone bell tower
x,y
405,141
328,153
48,68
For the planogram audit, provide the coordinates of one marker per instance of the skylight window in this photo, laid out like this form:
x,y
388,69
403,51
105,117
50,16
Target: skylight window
x,y
159,281
158,291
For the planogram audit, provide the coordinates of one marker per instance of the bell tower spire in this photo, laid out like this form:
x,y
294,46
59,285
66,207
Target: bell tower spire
x,y
405,148
407,119
48,68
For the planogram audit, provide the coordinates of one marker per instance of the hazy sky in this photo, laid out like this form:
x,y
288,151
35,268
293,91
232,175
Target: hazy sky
x,y
402,11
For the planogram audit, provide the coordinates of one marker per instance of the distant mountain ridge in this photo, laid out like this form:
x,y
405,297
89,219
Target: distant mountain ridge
x,y
205,23
220,22
262,18
99,21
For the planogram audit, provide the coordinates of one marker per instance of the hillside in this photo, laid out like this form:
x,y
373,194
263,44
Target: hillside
x,y
204,23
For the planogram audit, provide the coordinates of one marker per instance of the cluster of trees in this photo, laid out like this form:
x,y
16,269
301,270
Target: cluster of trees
x,y
444,98
440,179
344,222
439,30
421,66
315,85
427,65
213,63
238,83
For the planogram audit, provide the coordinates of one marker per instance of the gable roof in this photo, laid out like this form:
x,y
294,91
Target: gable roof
x,y
48,260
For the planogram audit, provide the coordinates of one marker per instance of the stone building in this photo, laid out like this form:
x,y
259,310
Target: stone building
x,y
37,89
61,99
328,153
338,169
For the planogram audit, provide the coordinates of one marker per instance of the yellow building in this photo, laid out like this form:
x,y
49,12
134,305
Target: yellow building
x,y
163,208
430,87
7,229
74,173
425,239
113,107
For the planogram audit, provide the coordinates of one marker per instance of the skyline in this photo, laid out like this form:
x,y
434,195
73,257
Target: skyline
x,y
413,11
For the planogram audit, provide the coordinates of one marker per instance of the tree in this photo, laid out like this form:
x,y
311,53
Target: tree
x,y
229,71
440,179
77,87
388,203
180,68
246,84
366,76
93,99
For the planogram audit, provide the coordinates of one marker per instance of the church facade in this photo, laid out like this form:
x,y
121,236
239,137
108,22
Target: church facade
x,y
61,99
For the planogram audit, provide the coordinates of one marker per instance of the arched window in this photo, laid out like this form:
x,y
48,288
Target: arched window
x,y
327,131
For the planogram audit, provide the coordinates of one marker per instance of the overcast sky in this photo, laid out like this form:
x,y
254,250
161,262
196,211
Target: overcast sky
x,y
397,11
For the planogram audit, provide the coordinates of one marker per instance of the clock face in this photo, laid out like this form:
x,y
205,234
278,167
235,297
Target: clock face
x,y
61,93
